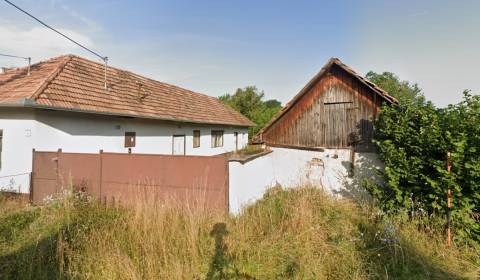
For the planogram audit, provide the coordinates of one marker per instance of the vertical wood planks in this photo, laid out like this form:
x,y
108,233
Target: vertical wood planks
x,y
334,110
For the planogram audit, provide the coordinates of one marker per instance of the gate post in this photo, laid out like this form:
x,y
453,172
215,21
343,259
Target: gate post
x,y
100,175
227,186
57,171
30,197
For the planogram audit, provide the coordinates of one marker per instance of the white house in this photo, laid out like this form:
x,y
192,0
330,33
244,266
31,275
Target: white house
x,y
78,105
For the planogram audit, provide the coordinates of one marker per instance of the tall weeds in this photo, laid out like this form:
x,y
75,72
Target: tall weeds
x,y
290,234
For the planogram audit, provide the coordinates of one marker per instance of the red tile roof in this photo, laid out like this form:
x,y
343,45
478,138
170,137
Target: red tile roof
x,y
77,84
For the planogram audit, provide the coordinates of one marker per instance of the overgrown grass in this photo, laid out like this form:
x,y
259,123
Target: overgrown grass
x,y
250,150
290,234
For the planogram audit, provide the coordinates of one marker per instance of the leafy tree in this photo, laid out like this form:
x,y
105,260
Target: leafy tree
x,y
402,90
273,103
249,102
413,139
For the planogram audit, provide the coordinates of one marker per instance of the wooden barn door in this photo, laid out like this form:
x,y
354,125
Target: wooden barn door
x,y
340,124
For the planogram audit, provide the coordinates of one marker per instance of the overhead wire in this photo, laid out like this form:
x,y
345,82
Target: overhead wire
x,y
29,59
58,32
14,56
104,58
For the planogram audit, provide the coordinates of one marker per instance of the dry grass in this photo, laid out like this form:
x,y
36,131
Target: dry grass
x,y
293,234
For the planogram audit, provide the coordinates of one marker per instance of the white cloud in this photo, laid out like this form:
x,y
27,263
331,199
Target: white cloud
x,y
90,23
39,42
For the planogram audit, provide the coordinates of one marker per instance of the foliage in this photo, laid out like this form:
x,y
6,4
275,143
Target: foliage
x,y
250,150
402,90
413,140
289,234
249,102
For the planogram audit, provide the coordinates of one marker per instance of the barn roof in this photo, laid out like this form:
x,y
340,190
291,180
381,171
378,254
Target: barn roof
x,y
325,69
74,83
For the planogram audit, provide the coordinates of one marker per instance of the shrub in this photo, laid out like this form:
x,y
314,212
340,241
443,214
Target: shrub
x,y
413,140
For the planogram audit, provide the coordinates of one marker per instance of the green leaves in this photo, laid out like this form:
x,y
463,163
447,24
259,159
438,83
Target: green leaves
x,y
414,139
249,102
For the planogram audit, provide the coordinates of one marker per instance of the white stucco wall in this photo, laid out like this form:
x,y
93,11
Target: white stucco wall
x,y
17,143
90,133
291,168
24,130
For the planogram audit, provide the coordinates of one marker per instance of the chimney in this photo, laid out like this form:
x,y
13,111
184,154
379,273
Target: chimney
x,y
6,69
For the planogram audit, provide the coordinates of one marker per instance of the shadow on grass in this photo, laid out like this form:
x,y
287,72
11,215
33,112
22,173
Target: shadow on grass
x,y
222,265
37,260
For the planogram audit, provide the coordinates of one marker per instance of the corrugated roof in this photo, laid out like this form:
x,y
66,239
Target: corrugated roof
x,y
73,83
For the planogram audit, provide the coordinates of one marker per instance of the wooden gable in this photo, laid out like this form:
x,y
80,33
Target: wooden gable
x,y
335,110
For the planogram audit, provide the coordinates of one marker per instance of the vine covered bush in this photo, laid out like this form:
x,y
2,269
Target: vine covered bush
x,y
413,140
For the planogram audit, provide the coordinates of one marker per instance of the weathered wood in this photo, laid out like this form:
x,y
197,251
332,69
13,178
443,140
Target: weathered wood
x,y
336,112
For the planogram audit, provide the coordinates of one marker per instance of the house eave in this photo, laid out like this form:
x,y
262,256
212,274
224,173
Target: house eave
x,y
29,103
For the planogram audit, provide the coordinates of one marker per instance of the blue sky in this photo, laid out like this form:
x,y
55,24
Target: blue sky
x,y
215,47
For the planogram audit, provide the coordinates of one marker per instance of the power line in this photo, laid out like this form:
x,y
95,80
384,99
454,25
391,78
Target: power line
x,y
104,58
14,56
29,59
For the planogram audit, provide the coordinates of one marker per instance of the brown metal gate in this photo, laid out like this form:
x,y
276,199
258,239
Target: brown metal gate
x,y
128,178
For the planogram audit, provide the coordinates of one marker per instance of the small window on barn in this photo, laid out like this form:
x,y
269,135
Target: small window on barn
x,y
217,138
130,139
196,138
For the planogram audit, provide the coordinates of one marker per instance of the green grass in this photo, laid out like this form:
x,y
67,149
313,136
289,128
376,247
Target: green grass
x,y
250,150
290,234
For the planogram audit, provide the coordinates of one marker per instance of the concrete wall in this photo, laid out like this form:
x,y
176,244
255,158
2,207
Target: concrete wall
x,y
85,133
90,133
16,156
330,170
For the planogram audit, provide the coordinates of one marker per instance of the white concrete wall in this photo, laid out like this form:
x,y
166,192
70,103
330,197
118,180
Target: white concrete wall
x,y
90,133
291,168
17,143
24,130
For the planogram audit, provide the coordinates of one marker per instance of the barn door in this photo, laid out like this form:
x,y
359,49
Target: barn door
x,y
178,145
338,124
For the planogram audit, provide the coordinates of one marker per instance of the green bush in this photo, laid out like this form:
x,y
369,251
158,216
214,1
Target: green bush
x,y
413,140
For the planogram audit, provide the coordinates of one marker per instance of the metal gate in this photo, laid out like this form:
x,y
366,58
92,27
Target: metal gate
x,y
129,178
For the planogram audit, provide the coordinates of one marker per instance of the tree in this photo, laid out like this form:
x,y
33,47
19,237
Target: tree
x,y
413,139
249,102
273,103
391,83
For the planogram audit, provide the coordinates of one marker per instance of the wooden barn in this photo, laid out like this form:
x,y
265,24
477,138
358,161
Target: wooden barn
x,y
322,138
333,111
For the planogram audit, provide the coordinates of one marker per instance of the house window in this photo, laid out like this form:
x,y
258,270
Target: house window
x,y
217,138
130,139
196,138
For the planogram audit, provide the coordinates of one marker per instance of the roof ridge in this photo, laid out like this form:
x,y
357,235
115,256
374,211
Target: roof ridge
x,y
52,76
366,81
